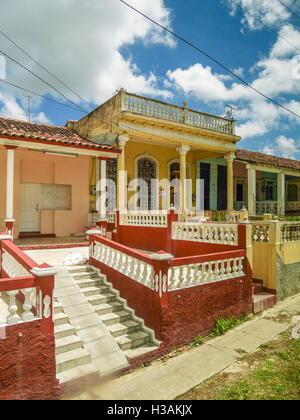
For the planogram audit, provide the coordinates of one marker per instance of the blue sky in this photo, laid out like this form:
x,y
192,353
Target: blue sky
x,y
101,46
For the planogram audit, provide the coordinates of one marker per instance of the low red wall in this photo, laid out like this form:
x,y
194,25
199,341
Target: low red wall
x,y
145,238
188,248
192,312
27,363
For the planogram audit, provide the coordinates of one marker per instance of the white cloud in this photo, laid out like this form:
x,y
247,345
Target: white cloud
x,y
205,84
257,13
284,147
288,42
80,42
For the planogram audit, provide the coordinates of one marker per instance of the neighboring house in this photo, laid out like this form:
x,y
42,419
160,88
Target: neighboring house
x,y
266,184
44,177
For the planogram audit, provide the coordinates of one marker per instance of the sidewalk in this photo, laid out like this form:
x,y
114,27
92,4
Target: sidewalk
x,y
166,380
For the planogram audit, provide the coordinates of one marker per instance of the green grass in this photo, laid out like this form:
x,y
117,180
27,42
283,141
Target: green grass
x,y
277,378
224,325
272,373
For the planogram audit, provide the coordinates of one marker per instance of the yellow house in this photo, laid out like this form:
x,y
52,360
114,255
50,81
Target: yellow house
x,y
158,141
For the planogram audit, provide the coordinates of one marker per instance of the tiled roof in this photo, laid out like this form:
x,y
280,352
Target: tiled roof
x,y
268,160
49,133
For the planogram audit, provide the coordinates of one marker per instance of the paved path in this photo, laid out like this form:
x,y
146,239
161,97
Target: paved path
x,y
166,380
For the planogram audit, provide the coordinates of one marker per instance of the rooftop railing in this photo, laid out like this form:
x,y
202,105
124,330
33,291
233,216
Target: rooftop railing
x,y
161,110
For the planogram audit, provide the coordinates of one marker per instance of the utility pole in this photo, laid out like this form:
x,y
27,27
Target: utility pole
x,y
29,106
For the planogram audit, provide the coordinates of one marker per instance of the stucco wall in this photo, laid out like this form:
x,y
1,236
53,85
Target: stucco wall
x,y
288,278
37,168
27,364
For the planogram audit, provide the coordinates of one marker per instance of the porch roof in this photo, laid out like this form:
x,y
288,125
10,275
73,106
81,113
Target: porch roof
x,y
51,134
267,160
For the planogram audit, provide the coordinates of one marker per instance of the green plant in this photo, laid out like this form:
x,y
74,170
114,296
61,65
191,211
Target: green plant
x,y
198,341
223,325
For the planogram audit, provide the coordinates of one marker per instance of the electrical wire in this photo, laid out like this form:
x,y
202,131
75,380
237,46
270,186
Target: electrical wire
x,y
249,85
41,96
44,68
289,9
42,80
266,26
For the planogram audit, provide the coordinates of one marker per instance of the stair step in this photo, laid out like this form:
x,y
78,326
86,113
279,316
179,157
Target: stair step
x,y
106,308
65,344
257,288
263,301
96,282
126,327
139,351
78,372
85,275
133,340
57,307
63,330
90,291
72,359
60,318
80,269
99,299
115,317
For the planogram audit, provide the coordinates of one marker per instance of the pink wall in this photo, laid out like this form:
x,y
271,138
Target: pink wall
x,y
37,168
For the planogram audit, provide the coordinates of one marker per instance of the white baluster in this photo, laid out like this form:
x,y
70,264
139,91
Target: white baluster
x,y
27,306
13,317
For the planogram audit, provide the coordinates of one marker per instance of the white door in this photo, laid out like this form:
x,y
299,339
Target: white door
x,y
30,213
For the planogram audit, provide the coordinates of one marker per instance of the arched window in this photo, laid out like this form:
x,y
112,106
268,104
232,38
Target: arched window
x,y
112,176
147,174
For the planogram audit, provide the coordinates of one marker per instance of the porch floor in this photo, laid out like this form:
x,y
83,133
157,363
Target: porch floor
x,y
36,242
56,257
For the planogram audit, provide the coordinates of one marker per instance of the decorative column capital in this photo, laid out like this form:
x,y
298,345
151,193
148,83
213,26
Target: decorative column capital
x,y
183,150
249,167
123,140
230,158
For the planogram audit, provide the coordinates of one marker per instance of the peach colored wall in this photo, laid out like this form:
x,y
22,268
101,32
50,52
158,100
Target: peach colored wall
x,y
37,168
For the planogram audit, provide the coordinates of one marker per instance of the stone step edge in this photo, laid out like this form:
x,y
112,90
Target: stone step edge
x,y
130,310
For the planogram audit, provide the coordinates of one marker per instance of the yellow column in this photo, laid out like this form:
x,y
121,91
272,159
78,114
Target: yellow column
x,y
183,199
230,159
122,176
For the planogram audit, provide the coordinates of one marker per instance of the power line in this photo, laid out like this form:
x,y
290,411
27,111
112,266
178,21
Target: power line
x,y
289,9
41,96
264,24
42,80
211,58
44,68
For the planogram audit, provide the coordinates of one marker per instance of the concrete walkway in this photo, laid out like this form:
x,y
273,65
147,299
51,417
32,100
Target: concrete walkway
x,y
166,380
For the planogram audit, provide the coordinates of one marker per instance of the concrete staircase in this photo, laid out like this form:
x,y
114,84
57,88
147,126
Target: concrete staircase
x,y
128,331
96,332
261,298
72,360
